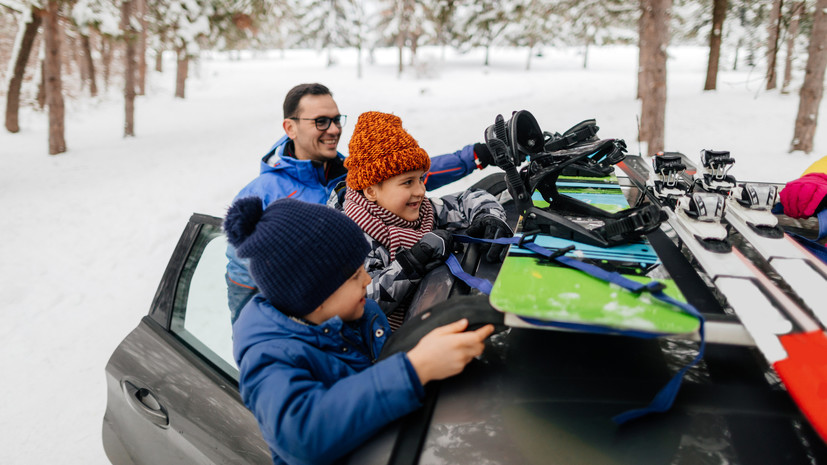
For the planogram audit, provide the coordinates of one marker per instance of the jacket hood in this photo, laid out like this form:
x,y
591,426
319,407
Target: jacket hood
x,y
304,171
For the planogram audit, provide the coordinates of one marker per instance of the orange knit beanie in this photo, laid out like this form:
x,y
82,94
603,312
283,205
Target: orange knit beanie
x,y
380,149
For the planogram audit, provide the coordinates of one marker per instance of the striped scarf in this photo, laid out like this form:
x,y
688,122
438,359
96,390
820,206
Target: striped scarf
x,y
387,228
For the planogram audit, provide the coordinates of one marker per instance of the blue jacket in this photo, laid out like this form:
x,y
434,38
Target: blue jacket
x,y
316,390
283,176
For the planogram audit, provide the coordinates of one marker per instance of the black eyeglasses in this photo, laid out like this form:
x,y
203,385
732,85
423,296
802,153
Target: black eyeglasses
x,y
323,122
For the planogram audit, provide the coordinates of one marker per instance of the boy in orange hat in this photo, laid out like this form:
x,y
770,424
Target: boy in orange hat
x,y
409,233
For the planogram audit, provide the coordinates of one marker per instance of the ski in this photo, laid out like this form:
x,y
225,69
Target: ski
x,y
748,210
792,342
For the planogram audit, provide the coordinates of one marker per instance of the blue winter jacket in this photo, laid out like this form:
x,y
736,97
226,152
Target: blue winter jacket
x,y
283,176
317,390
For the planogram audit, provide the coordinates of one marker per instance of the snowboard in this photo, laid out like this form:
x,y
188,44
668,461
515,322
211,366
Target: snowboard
x,y
534,291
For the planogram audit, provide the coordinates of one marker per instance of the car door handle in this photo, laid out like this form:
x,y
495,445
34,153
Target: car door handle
x,y
145,403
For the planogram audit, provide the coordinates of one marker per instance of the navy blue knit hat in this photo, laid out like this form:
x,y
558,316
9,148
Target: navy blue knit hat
x,y
299,252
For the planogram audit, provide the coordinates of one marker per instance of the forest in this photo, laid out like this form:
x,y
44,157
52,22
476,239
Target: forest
x,y
58,49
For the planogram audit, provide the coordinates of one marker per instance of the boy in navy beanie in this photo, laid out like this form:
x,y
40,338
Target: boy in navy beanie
x,y
306,346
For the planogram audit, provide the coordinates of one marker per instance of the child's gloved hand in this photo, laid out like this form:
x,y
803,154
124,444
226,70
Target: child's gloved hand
x,y
805,196
430,252
490,227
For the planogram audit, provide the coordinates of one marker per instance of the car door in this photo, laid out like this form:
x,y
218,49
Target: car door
x,y
172,384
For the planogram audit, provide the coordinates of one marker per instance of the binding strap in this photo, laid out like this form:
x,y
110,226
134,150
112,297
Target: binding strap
x,y
664,399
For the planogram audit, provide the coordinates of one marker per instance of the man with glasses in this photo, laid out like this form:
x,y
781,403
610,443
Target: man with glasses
x,y
305,165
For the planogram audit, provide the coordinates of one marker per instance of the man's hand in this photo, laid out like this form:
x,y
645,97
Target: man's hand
x,y
446,350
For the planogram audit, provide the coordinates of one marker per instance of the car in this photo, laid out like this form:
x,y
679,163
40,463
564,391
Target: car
x,y
533,397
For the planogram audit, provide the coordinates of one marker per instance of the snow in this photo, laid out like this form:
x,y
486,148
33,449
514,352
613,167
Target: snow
x,y
87,234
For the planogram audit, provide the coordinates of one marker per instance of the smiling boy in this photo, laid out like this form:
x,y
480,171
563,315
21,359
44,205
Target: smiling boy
x,y
409,233
307,345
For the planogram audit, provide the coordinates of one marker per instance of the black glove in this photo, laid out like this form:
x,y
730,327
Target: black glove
x,y
483,155
430,252
490,227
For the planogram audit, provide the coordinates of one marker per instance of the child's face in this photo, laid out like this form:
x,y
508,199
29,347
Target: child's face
x,y
348,302
401,195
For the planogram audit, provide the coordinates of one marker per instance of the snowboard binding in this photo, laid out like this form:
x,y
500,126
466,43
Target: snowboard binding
x,y
717,164
513,142
580,134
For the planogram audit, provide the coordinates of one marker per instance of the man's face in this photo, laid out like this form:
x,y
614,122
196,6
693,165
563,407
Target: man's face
x,y
311,143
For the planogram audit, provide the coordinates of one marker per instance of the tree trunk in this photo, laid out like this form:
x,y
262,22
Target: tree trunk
x,y
78,58
16,81
772,42
183,69
414,44
159,60
735,59
718,17
653,99
41,85
586,53
792,33
400,44
54,85
106,59
89,65
641,62
142,47
359,61
813,88
487,52
130,37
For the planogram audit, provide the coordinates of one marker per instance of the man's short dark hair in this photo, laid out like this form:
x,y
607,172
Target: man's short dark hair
x,y
291,100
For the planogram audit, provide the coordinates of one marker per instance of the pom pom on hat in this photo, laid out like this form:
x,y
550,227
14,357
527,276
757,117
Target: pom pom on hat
x,y
380,149
299,252
242,219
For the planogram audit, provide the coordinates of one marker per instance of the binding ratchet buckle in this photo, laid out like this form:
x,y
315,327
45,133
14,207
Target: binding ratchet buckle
x,y
717,164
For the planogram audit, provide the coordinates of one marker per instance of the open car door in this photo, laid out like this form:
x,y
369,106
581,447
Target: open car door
x,y
172,384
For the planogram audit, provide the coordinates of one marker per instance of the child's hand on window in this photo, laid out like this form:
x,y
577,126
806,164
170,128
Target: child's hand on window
x,y
446,350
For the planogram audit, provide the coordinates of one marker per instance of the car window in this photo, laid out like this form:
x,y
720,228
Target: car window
x,y
200,315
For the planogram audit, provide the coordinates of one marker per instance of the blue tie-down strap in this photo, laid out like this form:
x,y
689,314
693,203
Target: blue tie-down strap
x,y
480,284
664,399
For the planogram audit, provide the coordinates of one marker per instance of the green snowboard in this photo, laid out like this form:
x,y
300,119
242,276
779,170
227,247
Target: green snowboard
x,y
543,293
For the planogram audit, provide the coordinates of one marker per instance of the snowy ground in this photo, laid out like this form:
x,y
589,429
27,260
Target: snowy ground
x,y
87,234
